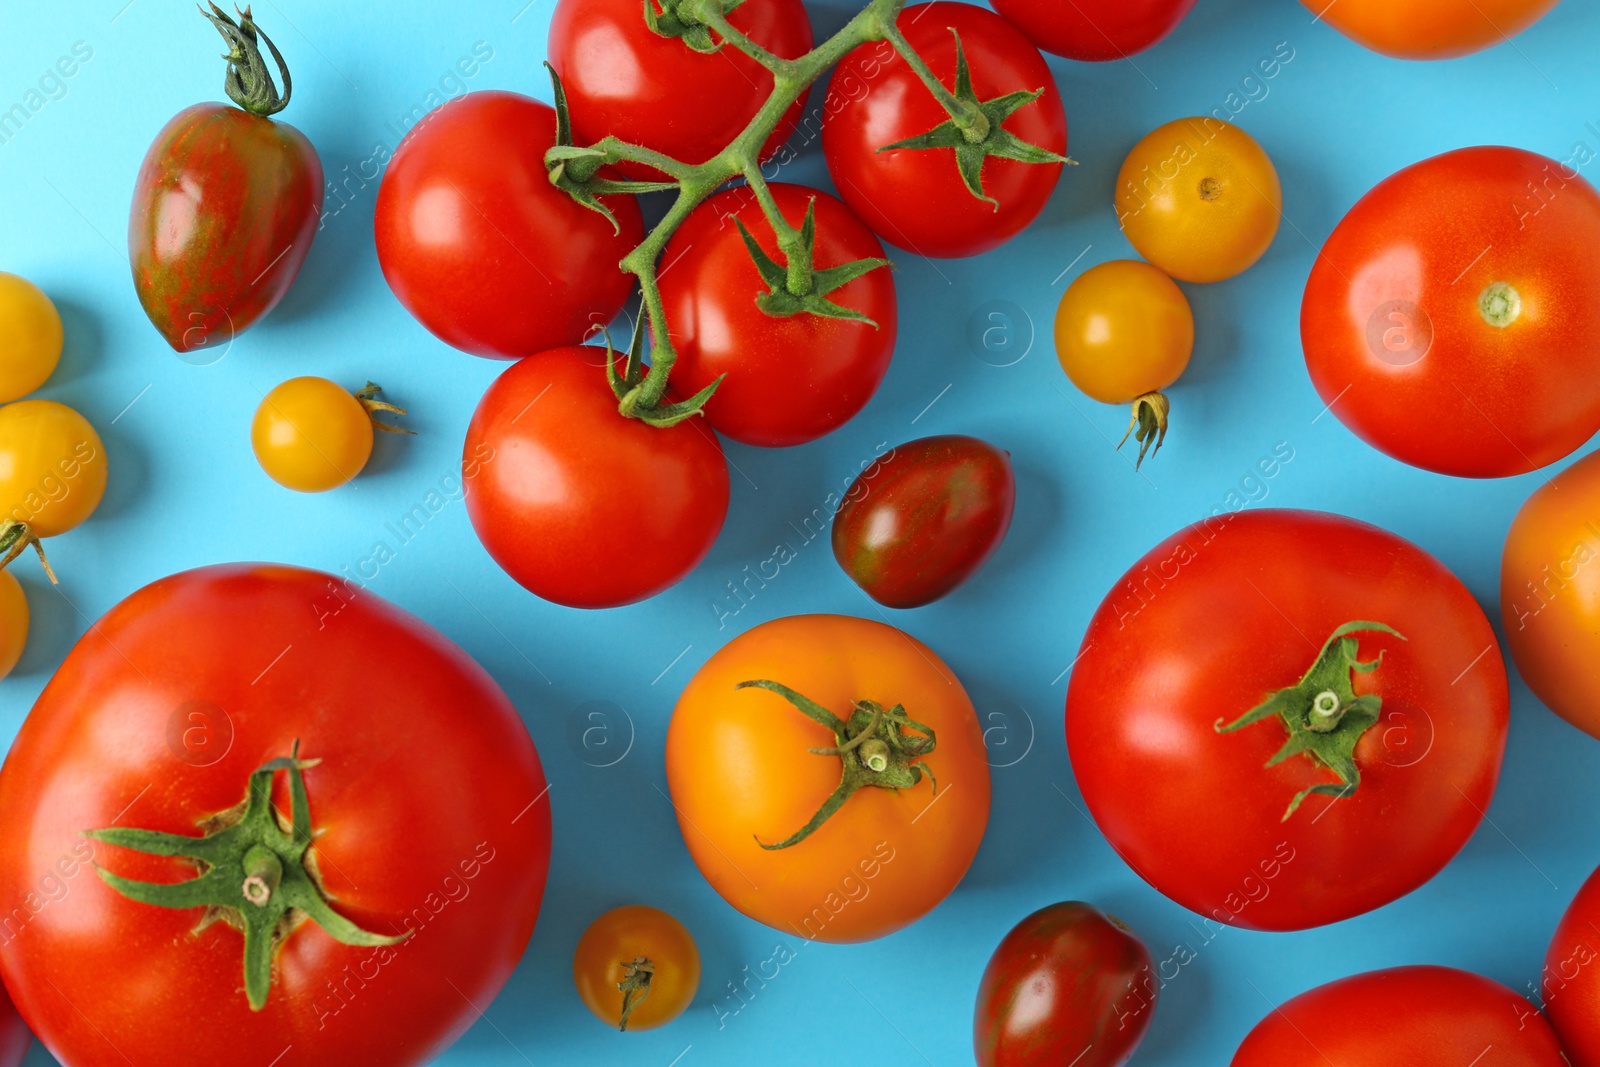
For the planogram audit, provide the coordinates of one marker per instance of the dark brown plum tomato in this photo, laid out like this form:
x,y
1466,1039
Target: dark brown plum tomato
x,y
1068,985
924,518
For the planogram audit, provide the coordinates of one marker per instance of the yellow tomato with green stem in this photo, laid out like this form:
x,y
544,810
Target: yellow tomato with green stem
x,y
1124,332
311,434
30,337
636,967
13,622
52,474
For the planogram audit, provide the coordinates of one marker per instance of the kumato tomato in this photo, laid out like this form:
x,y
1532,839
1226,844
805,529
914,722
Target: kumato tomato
x,y
1570,984
52,467
1431,314
1282,719
30,337
1094,29
636,967
13,624
1429,29
829,776
1417,1016
311,435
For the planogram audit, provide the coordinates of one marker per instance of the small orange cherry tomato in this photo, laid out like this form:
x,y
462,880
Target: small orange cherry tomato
x,y
636,967
1429,29
30,337
52,472
312,435
13,622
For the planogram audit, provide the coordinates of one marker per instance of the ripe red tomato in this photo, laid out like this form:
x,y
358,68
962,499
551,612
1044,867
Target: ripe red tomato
x,y
1418,1016
914,197
1227,617
1429,29
1068,985
790,379
1431,316
224,210
1570,985
924,518
1094,29
481,248
176,703
625,80
578,503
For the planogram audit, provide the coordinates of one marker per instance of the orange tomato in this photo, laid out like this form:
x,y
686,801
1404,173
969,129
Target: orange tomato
x,y
744,779
1429,29
636,967
13,622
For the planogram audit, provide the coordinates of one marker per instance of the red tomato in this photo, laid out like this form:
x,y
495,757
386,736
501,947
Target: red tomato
x,y
1432,314
481,248
1067,986
578,503
157,722
1233,611
625,80
1429,29
1570,985
914,197
789,379
1418,1016
1094,29
15,1040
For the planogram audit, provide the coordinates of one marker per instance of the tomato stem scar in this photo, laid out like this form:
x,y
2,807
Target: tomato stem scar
x,y
1500,304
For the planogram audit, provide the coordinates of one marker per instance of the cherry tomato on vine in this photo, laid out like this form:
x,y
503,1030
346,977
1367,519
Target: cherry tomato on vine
x,y
52,466
1282,719
792,377
1430,29
1419,1016
1431,315
1067,985
226,204
311,435
636,967
626,80
1124,332
481,248
30,337
171,732
1199,199
924,518
896,731
13,638
915,198
579,504
1094,29
1569,986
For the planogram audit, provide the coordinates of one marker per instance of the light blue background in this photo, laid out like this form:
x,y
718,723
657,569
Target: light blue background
x,y
186,491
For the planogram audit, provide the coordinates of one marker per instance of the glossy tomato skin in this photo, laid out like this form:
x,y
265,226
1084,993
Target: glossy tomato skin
x,y
481,248
224,210
738,768
1204,628
1068,985
791,379
924,518
1392,327
915,198
1569,985
580,505
157,718
625,80
1430,29
1420,1016
1094,29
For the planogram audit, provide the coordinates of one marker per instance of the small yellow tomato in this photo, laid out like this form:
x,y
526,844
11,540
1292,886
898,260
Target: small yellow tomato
x,y
52,467
30,337
1124,332
1199,199
311,434
636,967
13,622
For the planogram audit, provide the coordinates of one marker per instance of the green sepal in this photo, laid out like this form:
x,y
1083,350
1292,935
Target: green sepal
x,y
575,169
781,302
629,385
673,21
1147,424
249,83
1329,735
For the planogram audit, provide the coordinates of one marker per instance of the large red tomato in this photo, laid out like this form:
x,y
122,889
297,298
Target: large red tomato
x,y
1258,660
481,248
578,503
1429,29
1570,985
790,378
1453,317
416,788
623,79
1416,1016
915,197
1094,29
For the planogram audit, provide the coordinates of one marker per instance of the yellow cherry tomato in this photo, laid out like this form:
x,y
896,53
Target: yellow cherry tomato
x,y
52,467
636,967
13,622
311,434
1199,199
30,337
1124,332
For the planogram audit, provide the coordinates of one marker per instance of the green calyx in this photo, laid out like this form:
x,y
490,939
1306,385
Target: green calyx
x,y
575,170
634,987
254,874
15,537
1324,716
367,397
975,131
798,287
249,83
1147,424
872,747
629,386
677,18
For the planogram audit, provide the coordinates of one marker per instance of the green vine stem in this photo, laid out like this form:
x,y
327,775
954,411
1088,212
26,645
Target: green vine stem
x,y
974,131
249,82
16,536
872,747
